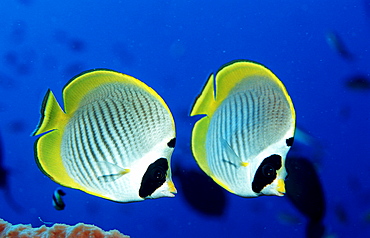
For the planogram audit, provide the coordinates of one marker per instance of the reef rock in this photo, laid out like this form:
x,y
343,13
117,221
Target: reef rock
x,y
56,231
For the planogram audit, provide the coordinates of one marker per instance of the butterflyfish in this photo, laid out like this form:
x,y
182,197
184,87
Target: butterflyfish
x,y
246,130
113,139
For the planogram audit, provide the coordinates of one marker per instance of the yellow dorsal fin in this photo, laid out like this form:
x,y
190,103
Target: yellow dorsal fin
x,y
80,85
234,72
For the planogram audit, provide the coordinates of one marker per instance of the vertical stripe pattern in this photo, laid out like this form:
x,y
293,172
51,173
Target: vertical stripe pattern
x,y
252,117
115,124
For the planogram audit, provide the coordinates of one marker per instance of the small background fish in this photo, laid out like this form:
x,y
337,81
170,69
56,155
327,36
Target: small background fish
x,y
57,199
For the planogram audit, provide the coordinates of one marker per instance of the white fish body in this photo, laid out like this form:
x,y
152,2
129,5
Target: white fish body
x,y
113,129
247,130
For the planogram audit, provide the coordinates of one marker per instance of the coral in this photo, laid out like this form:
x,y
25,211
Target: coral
x,y
55,231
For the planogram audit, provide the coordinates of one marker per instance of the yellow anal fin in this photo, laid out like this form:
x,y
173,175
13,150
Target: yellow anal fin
x,y
198,144
222,184
204,104
47,155
52,116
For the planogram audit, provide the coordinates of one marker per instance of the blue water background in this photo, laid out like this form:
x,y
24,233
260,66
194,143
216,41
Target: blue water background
x,y
173,46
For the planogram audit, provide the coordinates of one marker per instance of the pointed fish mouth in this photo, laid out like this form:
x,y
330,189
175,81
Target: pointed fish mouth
x,y
170,195
172,187
273,193
280,189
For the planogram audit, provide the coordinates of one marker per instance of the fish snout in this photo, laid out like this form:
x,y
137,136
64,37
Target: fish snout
x,y
171,187
280,187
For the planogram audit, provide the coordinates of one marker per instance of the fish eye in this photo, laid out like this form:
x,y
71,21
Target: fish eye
x,y
268,171
158,174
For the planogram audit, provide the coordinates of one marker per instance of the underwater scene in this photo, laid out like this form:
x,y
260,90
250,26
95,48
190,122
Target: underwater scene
x,y
185,118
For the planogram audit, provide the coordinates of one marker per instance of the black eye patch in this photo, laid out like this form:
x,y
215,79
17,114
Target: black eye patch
x,y
289,142
154,177
172,143
266,172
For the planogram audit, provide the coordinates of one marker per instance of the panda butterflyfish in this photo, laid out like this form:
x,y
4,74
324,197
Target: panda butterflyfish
x,y
114,139
246,130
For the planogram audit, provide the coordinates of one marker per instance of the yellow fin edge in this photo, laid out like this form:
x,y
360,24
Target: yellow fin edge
x,y
205,101
203,106
47,147
198,144
236,71
222,184
52,116
79,86
47,156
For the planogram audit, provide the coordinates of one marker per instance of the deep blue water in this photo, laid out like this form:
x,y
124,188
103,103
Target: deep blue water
x,y
173,46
